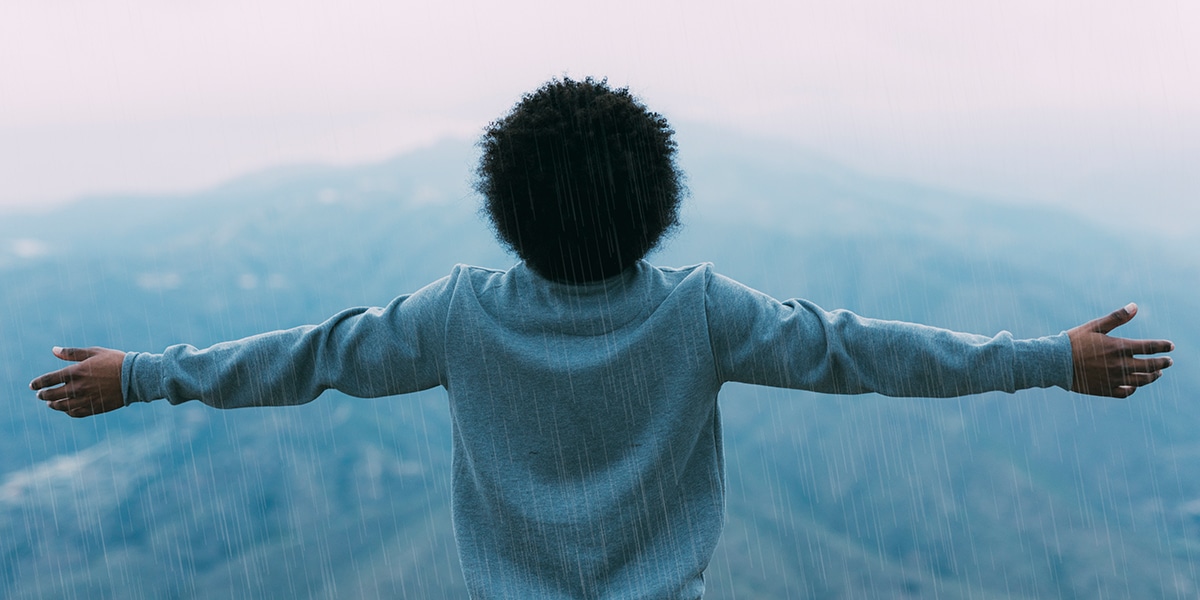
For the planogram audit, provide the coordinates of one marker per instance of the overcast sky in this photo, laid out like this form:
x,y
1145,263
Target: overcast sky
x,y
1090,105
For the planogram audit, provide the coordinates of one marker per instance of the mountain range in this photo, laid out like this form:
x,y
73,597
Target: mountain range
x,y
1036,494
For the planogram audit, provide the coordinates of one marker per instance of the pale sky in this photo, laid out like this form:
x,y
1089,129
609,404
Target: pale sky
x,y
1093,106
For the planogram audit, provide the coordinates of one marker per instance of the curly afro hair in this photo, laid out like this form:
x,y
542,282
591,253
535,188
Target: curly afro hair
x,y
580,180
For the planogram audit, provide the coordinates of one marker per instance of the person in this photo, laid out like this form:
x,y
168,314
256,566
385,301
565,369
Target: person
x,y
583,381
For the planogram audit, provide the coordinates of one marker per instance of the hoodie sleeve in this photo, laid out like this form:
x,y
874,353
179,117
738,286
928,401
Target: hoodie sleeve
x,y
795,344
364,352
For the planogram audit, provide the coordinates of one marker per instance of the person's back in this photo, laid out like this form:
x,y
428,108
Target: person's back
x,y
583,381
587,444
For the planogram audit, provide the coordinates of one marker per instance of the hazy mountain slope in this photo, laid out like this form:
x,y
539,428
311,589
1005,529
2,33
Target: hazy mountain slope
x,y
1038,494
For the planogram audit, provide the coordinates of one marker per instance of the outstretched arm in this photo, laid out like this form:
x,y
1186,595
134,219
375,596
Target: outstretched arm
x,y
90,386
796,344
1106,365
365,352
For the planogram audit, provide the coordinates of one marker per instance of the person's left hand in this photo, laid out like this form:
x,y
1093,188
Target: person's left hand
x,y
89,387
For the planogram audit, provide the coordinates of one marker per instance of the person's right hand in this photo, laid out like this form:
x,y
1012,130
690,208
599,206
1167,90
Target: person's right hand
x,y
1105,365
89,387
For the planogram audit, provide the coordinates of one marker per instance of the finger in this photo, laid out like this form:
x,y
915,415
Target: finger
x,y
74,408
1149,346
58,393
70,404
1140,379
56,378
73,354
1114,319
1123,391
1146,365
80,412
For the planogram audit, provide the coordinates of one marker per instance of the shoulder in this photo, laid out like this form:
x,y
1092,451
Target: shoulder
x,y
439,294
715,286
698,273
476,272
704,267
718,286
479,281
470,275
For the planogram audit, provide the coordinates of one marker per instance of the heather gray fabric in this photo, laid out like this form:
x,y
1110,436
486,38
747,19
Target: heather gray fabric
x,y
587,436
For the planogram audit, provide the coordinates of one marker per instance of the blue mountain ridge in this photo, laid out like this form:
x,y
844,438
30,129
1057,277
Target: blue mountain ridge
x,y
1037,494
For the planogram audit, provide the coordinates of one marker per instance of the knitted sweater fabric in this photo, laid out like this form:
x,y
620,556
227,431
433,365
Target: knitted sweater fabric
x,y
587,451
